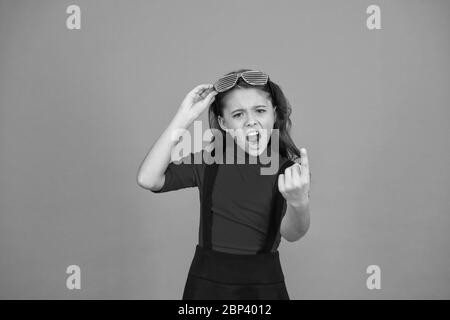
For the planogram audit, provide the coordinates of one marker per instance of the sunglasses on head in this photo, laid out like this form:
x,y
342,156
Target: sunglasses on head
x,y
252,77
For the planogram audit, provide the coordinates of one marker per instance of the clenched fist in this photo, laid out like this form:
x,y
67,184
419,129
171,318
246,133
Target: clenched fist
x,y
295,182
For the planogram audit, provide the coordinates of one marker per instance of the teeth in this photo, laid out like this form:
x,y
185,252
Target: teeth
x,y
253,137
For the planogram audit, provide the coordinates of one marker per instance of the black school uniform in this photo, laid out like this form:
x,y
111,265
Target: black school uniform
x,y
240,218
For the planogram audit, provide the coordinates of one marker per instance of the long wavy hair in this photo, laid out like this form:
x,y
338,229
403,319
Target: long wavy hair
x,y
287,147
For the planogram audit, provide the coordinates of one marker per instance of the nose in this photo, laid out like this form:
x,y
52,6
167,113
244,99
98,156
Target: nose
x,y
251,120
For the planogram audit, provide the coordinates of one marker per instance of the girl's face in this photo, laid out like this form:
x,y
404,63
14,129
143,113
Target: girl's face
x,y
248,115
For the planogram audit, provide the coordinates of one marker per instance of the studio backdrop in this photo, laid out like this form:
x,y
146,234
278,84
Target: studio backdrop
x,y
86,88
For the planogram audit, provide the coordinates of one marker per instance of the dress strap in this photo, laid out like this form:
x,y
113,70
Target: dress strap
x,y
206,204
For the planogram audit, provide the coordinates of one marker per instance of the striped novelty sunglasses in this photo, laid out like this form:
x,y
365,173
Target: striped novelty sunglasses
x,y
253,77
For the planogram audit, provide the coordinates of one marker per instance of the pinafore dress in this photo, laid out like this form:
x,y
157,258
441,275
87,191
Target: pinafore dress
x,y
216,275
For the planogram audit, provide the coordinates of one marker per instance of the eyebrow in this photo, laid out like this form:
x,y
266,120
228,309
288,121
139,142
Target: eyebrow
x,y
254,107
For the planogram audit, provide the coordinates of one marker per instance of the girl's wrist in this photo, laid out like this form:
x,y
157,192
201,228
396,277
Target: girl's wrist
x,y
179,122
303,203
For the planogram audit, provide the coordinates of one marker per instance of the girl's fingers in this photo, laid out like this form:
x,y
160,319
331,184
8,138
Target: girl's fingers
x,y
210,98
206,95
198,90
206,102
288,176
296,171
207,92
202,88
304,158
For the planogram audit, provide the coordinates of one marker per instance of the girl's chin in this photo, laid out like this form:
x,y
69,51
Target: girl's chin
x,y
255,153
254,149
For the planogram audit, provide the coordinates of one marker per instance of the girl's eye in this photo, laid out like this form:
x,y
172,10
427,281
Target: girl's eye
x,y
237,115
261,110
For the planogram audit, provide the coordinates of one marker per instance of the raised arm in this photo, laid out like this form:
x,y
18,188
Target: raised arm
x,y
151,173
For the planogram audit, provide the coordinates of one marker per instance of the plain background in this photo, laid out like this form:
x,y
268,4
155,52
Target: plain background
x,y
80,110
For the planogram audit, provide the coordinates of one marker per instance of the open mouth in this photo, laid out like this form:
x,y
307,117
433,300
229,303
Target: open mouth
x,y
253,137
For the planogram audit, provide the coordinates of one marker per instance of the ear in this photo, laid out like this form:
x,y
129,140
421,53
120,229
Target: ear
x,y
275,115
221,122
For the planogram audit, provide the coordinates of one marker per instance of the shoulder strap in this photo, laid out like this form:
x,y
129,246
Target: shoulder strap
x,y
205,210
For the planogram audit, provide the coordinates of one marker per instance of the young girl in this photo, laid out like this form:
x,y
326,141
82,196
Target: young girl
x,y
243,213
